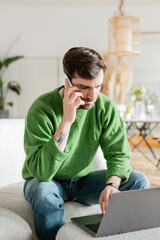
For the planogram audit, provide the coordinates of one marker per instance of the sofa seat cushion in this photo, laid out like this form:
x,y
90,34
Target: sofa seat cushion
x,y
71,231
13,227
12,198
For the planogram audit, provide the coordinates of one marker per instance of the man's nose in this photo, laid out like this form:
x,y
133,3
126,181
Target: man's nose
x,y
91,93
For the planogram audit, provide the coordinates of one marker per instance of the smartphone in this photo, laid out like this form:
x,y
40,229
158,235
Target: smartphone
x,y
65,76
70,84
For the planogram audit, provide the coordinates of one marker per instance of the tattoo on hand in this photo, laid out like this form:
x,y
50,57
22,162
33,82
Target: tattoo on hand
x,y
60,140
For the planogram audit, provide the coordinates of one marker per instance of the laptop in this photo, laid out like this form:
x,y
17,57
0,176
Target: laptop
x,y
126,212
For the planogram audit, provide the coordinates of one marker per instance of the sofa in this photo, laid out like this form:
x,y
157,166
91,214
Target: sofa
x,y
16,218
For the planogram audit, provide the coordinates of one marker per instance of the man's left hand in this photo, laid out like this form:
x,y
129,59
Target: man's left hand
x,y
105,196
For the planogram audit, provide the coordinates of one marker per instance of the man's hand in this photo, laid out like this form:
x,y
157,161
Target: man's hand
x,y
71,101
105,196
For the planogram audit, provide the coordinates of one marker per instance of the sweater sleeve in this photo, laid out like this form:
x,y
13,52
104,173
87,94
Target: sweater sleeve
x,y
115,147
43,156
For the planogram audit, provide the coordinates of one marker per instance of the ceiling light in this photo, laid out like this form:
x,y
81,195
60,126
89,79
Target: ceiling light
x,y
124,34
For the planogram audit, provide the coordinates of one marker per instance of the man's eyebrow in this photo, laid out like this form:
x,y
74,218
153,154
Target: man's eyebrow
x,y
89,86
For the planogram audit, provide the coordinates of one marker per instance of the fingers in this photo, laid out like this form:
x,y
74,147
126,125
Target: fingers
x,y
75,95
106,200
71,101
76,99
101,202
68,91
105,197
66,83
78,102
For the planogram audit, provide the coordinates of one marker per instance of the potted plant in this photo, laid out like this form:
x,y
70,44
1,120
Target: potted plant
x,y
142,100
11,85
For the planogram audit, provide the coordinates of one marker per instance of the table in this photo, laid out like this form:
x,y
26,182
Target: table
x,y
145,127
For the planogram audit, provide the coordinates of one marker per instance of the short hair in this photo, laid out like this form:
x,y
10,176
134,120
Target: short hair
x,y
84,62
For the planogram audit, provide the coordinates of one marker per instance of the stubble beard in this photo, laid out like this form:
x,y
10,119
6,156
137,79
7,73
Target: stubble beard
x,y
86,106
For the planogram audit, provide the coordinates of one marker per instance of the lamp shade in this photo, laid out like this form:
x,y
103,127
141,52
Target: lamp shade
x,y
124,36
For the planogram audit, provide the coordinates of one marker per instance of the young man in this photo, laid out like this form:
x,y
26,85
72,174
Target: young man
x,y
63,130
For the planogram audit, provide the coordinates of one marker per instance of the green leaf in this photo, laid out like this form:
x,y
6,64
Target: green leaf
x,y
1,103
15,87
1,83
6,62
10,104
1,65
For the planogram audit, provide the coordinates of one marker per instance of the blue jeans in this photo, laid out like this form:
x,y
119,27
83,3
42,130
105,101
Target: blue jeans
x,y
47,198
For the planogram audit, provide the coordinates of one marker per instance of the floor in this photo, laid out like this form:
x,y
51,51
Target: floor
x,y
147,164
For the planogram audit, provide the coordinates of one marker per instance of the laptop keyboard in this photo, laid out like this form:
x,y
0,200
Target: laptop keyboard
x,y
93,226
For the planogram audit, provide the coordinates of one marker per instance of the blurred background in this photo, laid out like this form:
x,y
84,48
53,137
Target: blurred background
x,y
43,30
35,34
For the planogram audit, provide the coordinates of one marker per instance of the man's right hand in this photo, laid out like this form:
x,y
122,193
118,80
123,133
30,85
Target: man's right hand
x,y
71,101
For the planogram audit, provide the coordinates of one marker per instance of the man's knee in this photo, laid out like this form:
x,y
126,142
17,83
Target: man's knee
x,y
140,180
44,194
137,180
143,181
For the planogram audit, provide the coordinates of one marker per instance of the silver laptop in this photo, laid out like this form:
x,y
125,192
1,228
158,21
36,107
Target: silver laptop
x,y
126,212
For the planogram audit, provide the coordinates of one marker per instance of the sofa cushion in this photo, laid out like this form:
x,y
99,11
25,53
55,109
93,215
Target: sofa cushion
x,y
13,227
100,160
11,197
12,154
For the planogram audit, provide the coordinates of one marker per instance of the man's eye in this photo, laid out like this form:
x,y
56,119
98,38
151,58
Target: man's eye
x,y
83,87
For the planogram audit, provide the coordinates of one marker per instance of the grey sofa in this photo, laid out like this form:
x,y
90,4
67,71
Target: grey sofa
x,y
16,219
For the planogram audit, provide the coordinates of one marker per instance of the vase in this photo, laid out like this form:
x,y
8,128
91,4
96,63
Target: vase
x,y
150,110
4,113
139,109
121,109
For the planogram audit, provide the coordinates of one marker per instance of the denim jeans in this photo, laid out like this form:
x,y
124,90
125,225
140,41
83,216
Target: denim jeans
x,y
47,198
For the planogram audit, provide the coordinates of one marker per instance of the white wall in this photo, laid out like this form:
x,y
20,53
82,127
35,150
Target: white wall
x,y
48,29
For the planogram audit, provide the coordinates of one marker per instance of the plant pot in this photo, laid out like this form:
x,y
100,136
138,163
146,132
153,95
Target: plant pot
x,y
1,104
4,113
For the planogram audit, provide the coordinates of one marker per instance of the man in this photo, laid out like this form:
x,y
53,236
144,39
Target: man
x,y
63,130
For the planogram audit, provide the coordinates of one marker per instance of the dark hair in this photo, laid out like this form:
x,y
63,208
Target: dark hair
x,y
84,62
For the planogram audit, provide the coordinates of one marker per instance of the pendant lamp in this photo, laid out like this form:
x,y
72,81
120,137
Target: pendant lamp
x,y
124,34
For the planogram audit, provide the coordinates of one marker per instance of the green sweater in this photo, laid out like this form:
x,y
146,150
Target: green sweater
x,y
101,125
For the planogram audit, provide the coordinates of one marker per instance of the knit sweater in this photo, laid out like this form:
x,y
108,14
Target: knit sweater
x,y
101,125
